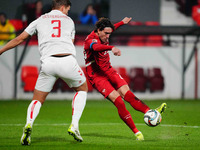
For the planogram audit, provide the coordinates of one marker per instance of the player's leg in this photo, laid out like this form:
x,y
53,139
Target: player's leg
x,y
34,107
117,81
136,103
75,78
43,86
124,113
124,91
78,105
128,96
32,112
102,84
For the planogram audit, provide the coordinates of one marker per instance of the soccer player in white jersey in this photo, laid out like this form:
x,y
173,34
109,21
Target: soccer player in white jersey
x,y
56,33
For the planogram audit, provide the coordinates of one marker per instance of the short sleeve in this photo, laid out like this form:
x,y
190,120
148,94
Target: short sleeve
x,y
31,29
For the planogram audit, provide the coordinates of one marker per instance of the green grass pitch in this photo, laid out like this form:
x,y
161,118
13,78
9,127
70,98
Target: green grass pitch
x,y
101,127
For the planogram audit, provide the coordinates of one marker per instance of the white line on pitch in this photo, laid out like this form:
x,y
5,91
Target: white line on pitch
x,y
101,124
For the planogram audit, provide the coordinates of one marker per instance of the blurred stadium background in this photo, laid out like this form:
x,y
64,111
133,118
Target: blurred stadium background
x,y
160,57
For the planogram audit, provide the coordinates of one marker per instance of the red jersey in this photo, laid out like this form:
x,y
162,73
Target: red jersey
x,y
95,51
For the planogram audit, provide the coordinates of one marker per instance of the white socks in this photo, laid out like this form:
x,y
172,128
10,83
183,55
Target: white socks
x,y
33,111
78,105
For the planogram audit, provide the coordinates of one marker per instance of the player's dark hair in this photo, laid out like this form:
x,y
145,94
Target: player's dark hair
x,y
56,4
103,23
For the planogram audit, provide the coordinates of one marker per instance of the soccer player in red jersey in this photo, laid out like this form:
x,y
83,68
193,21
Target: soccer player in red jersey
x,y
105,78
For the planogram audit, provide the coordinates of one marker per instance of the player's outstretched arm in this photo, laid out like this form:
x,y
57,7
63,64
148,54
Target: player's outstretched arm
x,y
126,20
14,42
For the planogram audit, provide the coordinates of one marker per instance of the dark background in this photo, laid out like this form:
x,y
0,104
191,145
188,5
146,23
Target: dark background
x,y
139,10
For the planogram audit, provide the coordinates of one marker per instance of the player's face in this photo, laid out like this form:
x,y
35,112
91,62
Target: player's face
x,y
105,34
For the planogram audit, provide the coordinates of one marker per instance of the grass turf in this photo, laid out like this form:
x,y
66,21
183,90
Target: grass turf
x,y
101,127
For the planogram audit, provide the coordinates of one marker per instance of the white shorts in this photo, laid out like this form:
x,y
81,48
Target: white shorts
x,y
65,68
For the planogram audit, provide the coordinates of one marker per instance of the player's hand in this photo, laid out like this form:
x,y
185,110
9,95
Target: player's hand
x,y
126,20
116,51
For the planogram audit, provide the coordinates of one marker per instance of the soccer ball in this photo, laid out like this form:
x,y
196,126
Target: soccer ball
x,y
152,118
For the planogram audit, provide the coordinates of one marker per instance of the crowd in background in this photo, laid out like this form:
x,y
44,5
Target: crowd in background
x,y
90,15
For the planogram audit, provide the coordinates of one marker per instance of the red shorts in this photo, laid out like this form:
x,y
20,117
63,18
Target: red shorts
x,y
105,83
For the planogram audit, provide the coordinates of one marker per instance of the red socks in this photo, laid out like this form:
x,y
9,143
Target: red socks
x,y
135,102
124,114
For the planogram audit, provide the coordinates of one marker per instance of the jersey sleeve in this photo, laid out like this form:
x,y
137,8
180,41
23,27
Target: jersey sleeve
x,y
117,25
97,46
31,29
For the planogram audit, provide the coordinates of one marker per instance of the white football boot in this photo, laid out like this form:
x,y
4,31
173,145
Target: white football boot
x,y
75,133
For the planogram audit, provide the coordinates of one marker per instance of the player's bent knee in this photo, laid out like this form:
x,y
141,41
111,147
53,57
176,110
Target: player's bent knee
x,y
123,90
113,95
40,95
82,87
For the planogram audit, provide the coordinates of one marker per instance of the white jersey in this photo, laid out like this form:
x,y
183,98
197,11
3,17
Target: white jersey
x,y
55,33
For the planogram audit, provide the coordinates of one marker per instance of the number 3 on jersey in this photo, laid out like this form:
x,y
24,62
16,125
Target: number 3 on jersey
x,y
57,28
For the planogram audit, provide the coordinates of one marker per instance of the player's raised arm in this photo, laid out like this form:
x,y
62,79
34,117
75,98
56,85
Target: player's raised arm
x,y
126,20
14,42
